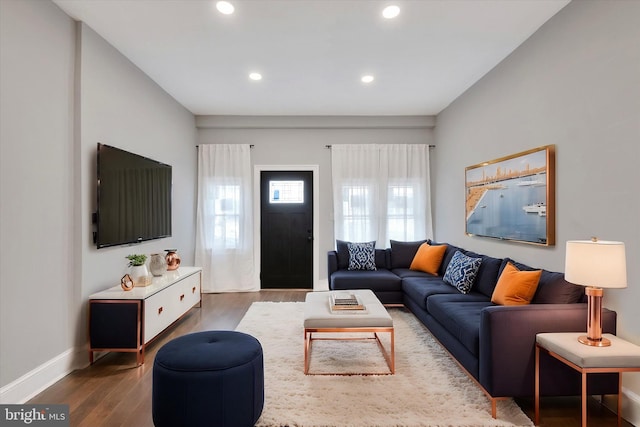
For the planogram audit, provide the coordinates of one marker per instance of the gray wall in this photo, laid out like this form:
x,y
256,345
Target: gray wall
x,y
301,140
63,90
36,185
121,106
576,84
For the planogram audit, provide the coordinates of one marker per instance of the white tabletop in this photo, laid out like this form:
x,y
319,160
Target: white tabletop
x,y
620,354
318,314
143,292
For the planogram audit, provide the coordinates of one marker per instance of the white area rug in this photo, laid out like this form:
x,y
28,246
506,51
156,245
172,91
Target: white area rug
x,y
428,389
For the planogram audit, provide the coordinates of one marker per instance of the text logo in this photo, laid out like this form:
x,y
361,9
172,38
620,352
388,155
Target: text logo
x,y
34,415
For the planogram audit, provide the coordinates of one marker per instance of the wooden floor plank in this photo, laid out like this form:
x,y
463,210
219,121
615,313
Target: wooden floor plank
x,y
114,392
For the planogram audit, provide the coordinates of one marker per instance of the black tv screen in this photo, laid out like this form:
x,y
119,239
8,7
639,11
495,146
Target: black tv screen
x,y
134,198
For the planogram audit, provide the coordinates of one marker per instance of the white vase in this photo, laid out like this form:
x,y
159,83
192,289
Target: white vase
x,y
140,275
157,264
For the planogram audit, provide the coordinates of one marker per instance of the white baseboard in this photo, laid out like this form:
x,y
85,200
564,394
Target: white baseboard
x,y
630,405
321,285
35,381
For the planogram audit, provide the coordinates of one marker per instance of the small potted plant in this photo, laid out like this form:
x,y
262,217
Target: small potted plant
x,y
138,269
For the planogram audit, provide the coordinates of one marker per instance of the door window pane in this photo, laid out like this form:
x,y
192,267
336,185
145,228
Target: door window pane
x,y
286,191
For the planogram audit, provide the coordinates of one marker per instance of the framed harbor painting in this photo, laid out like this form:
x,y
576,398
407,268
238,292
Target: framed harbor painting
x,y
513,197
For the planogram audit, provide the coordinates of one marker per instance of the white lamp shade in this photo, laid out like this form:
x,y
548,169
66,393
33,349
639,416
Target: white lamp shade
x,y
596,263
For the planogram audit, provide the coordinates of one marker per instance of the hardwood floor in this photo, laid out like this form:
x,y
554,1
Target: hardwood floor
x,y
113,392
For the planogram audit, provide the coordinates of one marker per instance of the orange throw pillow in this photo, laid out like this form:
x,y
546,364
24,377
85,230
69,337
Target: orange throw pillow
x,y
515,287
428,258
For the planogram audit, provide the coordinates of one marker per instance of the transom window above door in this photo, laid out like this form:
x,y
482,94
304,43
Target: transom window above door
x,y
286,191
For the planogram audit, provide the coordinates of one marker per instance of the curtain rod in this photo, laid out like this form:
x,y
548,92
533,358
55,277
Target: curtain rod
x,y
328,146
430,146
250,145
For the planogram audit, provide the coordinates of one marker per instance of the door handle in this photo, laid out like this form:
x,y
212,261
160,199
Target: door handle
x,y
310,238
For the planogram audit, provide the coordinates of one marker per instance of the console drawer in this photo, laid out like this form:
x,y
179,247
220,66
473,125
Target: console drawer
x,y
159,312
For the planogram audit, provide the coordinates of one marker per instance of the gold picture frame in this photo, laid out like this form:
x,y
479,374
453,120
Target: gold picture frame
x,y
513,197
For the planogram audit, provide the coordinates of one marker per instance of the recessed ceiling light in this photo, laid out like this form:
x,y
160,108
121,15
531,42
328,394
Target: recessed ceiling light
x,y
225,7
390,12
367,79
255,76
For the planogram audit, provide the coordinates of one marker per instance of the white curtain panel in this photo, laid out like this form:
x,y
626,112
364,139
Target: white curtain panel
x,y
381,192
224,218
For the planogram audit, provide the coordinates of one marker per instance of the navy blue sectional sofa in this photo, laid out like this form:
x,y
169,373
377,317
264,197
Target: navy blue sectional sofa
x,y
495,344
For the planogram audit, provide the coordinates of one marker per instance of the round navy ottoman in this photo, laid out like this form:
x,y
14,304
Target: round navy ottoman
x,y
212,378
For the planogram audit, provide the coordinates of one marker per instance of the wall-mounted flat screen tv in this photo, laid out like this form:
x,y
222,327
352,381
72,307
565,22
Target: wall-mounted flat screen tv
x,y
134,198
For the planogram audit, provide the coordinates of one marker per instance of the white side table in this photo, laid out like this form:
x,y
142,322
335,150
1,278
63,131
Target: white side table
x,y
621,356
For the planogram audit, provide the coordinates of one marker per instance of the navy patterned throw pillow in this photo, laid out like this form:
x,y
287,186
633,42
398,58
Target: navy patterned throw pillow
x,y
362,256
461,272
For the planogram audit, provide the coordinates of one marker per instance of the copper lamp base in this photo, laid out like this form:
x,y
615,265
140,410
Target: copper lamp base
x,y
602,342
594,322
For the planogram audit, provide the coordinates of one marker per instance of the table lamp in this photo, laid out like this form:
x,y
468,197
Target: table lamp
x,y
595,264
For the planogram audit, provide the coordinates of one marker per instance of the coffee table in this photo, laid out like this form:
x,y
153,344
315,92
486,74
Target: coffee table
x,y
319,319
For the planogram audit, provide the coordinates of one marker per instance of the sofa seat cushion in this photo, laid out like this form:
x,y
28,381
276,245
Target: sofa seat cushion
x,y
376,280
406,272
418,289
460,316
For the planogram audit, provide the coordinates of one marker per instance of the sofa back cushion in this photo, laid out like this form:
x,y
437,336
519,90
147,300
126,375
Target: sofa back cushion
x,y
343,254
382,258
552,288
342,251
487,276
448,254
402,253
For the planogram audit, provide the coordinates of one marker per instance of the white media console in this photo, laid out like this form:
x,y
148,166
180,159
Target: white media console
x,y
126,321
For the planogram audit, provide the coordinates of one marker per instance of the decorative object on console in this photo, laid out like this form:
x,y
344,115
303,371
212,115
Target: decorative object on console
x,y
595,264
157,264
126,282
173,259
138,270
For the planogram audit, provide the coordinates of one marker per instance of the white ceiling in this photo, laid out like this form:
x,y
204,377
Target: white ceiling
x,y
312,53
